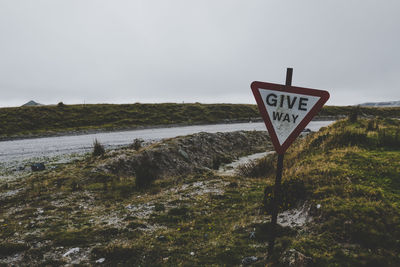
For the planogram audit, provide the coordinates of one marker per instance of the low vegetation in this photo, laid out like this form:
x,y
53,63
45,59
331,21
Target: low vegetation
x,y
25,121
346,174
369,112
98,149
349,174
259,168
82,213
61,118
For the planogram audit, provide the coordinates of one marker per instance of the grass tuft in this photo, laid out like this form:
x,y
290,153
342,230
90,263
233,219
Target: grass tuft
x,y
146,172
98,148
259,168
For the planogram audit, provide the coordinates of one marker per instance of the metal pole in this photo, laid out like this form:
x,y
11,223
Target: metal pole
x,y
277,189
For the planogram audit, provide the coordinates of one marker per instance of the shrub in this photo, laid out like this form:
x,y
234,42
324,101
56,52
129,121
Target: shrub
x,y
125,255
178,211
292,191
137,143
75,186
260,168
98,149
219,160
60,105
146,171
354,113
7,249
387,139
348,138
372,125
159,207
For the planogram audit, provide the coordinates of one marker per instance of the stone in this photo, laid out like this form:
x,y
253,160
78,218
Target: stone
x,y
38,167
101,260
71,251
183,154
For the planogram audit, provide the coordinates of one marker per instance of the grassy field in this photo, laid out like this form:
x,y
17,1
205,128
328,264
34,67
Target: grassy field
x,y
64,118
347,175
352,172
48,120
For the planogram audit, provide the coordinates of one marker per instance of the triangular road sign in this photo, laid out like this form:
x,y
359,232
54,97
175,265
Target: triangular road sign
x,y
287,110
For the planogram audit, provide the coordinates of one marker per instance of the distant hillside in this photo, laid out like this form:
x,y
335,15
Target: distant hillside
x,y
31,103
40,120
28,121
381,104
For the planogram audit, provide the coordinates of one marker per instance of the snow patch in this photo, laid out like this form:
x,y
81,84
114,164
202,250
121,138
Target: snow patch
x,y
295,217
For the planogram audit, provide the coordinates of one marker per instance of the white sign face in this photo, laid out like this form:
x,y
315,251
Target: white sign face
x,y
286,110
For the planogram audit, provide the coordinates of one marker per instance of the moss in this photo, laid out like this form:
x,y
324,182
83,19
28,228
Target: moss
x,y
121,254
7,249
72,237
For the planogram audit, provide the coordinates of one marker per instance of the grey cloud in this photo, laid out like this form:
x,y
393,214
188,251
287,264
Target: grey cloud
x,y
205,51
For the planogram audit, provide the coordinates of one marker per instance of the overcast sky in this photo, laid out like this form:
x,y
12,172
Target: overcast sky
x,y
119,51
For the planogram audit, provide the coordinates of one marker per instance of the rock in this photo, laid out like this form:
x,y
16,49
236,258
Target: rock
x,y
71,251
292,257
101,260
183,154
249,260
38,167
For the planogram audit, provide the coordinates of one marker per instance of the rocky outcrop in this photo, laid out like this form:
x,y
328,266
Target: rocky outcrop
x,y
187,154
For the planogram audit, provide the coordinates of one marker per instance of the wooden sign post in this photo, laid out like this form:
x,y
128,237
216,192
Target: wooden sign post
x,y
286,111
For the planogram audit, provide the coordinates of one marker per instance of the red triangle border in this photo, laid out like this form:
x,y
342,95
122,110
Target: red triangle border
x,y
324,96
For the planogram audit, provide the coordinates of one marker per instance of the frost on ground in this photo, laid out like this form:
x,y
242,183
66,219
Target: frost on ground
x,y
70,215
9,193
295,217
230,169
19,168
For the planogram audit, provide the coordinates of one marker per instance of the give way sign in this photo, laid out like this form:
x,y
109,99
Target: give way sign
x,y
287,110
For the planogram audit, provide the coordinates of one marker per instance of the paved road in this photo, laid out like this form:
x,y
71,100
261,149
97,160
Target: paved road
x,y
19,151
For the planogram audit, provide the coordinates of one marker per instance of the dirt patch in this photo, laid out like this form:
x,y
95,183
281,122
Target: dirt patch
x,y
187,154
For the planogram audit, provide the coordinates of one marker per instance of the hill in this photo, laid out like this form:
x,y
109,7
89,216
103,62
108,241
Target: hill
x,y
50,120
64,119
382,104
341,204
31,103
348,175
